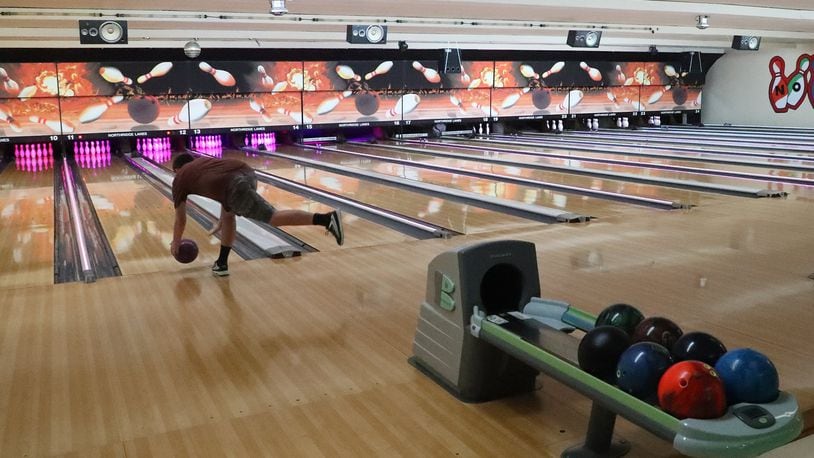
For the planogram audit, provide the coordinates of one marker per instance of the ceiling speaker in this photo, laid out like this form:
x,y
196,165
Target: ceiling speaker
x,y
584,38
367,34
746,43
103,32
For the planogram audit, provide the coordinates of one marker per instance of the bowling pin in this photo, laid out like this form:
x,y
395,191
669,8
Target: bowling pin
x,y
330,103
619,122
593,73
405,104
53,124
5,116
778,89
528,71
223,77
474,83
27,92
656,96
670,71
9,84
279,87
346,73
512,99
560,127
265,79
383,68
620,75
556,68
193,110
625,122
572,99
697,101
159,70
114,75
457,102
797,82
301,118
260,108
465,78
95,111
430,74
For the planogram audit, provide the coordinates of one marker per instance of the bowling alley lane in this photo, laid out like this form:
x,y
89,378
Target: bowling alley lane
x,y
138,221
581,181
435,210
27,238
581,160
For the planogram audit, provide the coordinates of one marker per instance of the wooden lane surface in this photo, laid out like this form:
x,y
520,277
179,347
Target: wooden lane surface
x,y
26,227
358,231
582,181
571,202
307,356
444,213
138,221
642,168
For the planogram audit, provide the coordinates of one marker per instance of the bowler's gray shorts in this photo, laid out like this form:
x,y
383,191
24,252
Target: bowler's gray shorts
x,y
243,200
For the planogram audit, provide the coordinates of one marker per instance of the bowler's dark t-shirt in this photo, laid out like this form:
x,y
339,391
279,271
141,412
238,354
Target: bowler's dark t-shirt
x,y
206,177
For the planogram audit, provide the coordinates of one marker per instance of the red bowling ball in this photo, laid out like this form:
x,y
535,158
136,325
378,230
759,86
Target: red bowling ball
x,y
659,330
692,389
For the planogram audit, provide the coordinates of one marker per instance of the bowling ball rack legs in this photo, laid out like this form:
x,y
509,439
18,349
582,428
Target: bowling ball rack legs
x,y
599,437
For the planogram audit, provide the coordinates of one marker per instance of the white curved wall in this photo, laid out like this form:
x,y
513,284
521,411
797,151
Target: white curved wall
x,y
737,89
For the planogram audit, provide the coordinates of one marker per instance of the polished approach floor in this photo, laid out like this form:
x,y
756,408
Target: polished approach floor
x,y
308,356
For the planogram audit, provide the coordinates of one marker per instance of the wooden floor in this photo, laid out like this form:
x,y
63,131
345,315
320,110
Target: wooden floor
x,y
308,356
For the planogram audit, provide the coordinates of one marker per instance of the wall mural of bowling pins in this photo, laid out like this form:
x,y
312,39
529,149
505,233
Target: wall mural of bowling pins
x,y
354,92
28,103
249,95
105,97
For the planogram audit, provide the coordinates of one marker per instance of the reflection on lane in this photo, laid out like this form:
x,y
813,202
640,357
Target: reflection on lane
x,y
27,240
447,214
582,161
519,193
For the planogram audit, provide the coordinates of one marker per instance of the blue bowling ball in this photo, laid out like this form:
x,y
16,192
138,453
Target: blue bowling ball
x,y
640,367
749,376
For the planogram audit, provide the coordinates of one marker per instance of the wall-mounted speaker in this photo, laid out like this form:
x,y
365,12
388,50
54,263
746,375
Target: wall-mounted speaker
x,y
584,38
367,34
103,32
745,43
452,61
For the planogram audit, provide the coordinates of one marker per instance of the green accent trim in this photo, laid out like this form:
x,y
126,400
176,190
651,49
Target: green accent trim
x,y
447,285
578,379
447,302
579,319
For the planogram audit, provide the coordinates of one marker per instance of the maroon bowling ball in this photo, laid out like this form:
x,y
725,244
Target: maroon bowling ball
x,y
367,103
679,95
143,109
187,251
659,330
541,98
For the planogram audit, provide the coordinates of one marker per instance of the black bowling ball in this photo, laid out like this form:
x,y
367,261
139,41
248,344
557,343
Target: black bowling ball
x,y
367,103
600,349
143,109
698,346
679,95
